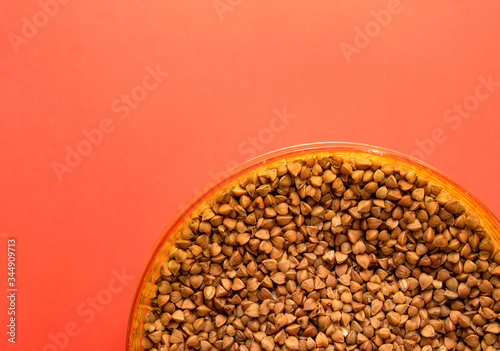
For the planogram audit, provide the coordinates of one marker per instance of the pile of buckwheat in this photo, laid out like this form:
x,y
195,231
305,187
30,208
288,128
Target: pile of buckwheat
x,y
329,253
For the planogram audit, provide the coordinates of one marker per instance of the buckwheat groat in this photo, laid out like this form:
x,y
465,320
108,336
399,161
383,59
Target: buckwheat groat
x,y
329,253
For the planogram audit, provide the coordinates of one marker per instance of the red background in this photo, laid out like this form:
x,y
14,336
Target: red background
x,y
228,72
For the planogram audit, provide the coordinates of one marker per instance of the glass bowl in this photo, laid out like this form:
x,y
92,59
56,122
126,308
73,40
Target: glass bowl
x,y
159,252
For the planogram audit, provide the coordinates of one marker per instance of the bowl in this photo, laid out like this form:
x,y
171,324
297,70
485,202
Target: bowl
x,y
159,252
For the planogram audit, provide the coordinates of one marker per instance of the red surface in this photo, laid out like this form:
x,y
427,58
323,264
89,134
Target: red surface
x,y
230,71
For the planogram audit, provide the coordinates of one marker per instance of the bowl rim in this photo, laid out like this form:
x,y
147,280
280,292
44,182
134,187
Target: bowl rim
x,y
270,157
